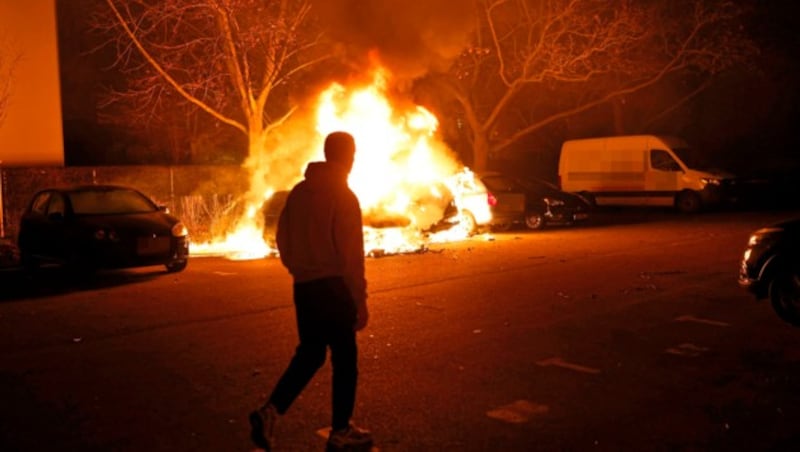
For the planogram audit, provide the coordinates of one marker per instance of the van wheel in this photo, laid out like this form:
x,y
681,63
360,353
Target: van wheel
x,y
688,202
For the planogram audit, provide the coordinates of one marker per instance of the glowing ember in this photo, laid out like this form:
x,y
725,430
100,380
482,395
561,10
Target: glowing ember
x,y
403,177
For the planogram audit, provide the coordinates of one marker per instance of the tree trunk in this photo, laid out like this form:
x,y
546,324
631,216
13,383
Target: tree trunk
x,y
480,152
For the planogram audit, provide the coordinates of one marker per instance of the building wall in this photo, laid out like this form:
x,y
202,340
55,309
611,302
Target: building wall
x,y
31,133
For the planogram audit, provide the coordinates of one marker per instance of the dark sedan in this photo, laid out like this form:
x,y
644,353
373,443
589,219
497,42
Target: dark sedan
x,y
100,226
770,268
531,202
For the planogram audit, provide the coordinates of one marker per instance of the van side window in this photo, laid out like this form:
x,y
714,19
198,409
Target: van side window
x,y
661,160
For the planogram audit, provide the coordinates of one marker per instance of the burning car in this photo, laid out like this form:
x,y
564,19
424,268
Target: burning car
x,y
459,202
100,226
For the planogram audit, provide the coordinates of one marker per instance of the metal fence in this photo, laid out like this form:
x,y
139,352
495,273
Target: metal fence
x,y
207,198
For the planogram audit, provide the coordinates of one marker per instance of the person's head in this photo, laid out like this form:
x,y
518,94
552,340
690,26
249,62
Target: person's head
x,y
340,148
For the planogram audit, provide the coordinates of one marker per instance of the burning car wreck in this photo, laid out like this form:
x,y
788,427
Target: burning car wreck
x,y
412,189
411,219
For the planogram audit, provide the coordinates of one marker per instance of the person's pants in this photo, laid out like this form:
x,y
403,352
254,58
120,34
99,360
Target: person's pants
x,y
326,315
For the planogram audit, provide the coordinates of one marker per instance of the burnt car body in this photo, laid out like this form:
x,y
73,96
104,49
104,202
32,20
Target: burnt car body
x,y
430,214
100,226
770,268
531,202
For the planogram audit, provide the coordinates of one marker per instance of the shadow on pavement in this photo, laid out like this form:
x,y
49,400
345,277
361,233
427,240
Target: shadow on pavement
x,y
18,284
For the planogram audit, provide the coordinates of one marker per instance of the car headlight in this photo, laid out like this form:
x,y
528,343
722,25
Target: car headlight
x,y
710,181
764,235
553,202
179,230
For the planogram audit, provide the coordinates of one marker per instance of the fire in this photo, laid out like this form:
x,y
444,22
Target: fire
x,y
403,176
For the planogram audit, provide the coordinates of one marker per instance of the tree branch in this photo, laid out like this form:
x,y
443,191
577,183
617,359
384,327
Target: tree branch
x,y
166,76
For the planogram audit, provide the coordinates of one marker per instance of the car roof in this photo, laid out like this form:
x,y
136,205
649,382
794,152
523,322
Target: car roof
x,y
87,187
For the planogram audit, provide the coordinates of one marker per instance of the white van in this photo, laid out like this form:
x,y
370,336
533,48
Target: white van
x,y
638,170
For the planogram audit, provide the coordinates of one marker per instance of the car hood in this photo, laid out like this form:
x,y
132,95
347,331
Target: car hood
x,y
158,223
711,174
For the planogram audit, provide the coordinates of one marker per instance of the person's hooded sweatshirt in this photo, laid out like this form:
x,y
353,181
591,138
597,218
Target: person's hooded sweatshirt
x,y
320,231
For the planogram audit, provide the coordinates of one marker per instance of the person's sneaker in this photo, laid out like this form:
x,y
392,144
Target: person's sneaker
x,y
351,436
262,423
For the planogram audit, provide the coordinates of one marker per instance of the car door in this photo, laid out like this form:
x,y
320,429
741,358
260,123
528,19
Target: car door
x,y
55,234
33,225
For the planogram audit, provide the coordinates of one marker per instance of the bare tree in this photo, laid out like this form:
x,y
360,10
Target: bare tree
x,y
229,59
535,62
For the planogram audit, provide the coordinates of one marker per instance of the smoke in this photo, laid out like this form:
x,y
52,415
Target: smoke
x,y
409,37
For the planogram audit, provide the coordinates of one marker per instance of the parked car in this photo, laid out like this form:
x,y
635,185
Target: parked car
x,y
770,268
531,202
100,226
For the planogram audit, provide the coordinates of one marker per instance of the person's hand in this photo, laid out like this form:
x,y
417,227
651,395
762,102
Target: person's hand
x,y
362,316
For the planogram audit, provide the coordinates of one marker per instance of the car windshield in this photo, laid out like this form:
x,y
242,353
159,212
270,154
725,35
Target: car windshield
x,y
109,202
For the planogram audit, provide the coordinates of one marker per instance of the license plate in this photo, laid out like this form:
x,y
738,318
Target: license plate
x,y
148,246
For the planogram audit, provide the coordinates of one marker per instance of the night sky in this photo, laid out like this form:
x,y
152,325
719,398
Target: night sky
x,y
749,118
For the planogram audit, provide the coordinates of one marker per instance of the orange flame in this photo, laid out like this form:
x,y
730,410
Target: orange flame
x,y
403,176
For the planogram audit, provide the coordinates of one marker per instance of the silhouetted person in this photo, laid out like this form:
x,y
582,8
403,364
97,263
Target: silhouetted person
x,y
321,243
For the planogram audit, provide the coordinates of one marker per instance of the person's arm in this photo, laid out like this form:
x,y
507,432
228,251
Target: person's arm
x,y
349,237
282,234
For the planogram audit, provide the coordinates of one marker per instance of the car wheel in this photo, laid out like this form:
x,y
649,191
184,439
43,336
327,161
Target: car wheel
x,y
784,293
467,221
534,221
177,266
688,201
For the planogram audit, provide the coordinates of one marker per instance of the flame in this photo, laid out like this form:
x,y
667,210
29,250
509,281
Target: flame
x,y
403,177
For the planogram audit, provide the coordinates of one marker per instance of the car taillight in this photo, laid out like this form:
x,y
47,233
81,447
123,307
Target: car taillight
x,y
491,199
